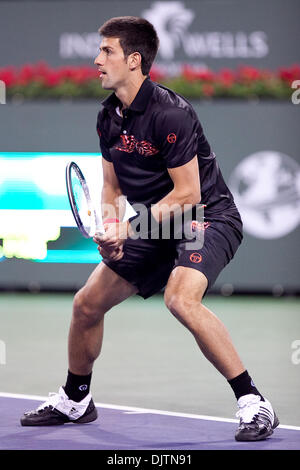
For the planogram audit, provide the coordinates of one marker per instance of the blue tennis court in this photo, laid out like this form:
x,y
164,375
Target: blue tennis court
x,y
151,385
125,428
227,132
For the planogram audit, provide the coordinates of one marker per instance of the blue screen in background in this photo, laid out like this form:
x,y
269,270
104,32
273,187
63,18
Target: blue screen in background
x,y
36,222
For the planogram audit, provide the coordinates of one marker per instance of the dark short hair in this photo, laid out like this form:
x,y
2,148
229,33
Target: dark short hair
x,y
135,35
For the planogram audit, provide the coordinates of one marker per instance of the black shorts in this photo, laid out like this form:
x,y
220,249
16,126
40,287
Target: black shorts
x,y
147,264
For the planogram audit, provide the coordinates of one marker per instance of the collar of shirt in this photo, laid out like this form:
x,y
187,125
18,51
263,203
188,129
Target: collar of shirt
x,y
140,101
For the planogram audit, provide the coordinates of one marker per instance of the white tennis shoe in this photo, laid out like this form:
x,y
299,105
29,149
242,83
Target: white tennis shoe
x,y
257,418
59,409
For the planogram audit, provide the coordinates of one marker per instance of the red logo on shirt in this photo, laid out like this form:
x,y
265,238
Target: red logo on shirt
x,y
196,258
171,138
129,144
195,225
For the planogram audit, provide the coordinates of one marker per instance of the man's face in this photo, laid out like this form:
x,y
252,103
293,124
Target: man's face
x,y
112,65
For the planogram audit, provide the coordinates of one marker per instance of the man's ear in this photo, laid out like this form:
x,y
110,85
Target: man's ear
x,y
134,60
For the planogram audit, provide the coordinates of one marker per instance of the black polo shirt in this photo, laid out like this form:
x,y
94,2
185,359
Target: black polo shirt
x,y
159,130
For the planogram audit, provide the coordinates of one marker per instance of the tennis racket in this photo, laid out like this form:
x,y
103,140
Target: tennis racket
x,y
86,217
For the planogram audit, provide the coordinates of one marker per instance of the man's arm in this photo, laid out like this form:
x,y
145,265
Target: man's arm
x,y
186,191
113,203
113,206
185,194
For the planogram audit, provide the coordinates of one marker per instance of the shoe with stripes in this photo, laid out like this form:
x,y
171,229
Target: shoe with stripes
x,y
59,409
257,419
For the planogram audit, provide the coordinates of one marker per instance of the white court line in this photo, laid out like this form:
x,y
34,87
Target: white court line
x,y
136,410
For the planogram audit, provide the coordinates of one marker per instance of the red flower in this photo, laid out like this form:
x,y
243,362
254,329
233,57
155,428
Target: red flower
x,y
226,77
188,73
289,74
192,74
156,74
81,75
26,74
296,70
205,75
52,78
8,76
248,74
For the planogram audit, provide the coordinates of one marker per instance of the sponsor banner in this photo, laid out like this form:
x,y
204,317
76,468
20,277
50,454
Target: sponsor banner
x,y
204,34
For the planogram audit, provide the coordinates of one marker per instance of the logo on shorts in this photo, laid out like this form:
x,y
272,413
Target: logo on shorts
x,y
171,138
196,258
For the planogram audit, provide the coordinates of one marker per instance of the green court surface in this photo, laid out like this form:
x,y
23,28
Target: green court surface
x,y
149,359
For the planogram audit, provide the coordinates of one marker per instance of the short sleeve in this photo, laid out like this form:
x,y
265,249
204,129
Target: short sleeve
x,y
102,141
177,136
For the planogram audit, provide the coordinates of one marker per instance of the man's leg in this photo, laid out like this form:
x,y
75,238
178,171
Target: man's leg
x,y
74,403
103,290
183,297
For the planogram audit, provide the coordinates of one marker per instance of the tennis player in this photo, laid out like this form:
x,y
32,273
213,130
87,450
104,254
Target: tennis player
x,y
156,154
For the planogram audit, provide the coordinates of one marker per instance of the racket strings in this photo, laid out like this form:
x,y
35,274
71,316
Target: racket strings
x,y
83,204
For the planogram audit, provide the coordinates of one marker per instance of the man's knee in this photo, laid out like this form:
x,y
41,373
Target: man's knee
x,y
185,289
84,309
184,305
180,304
